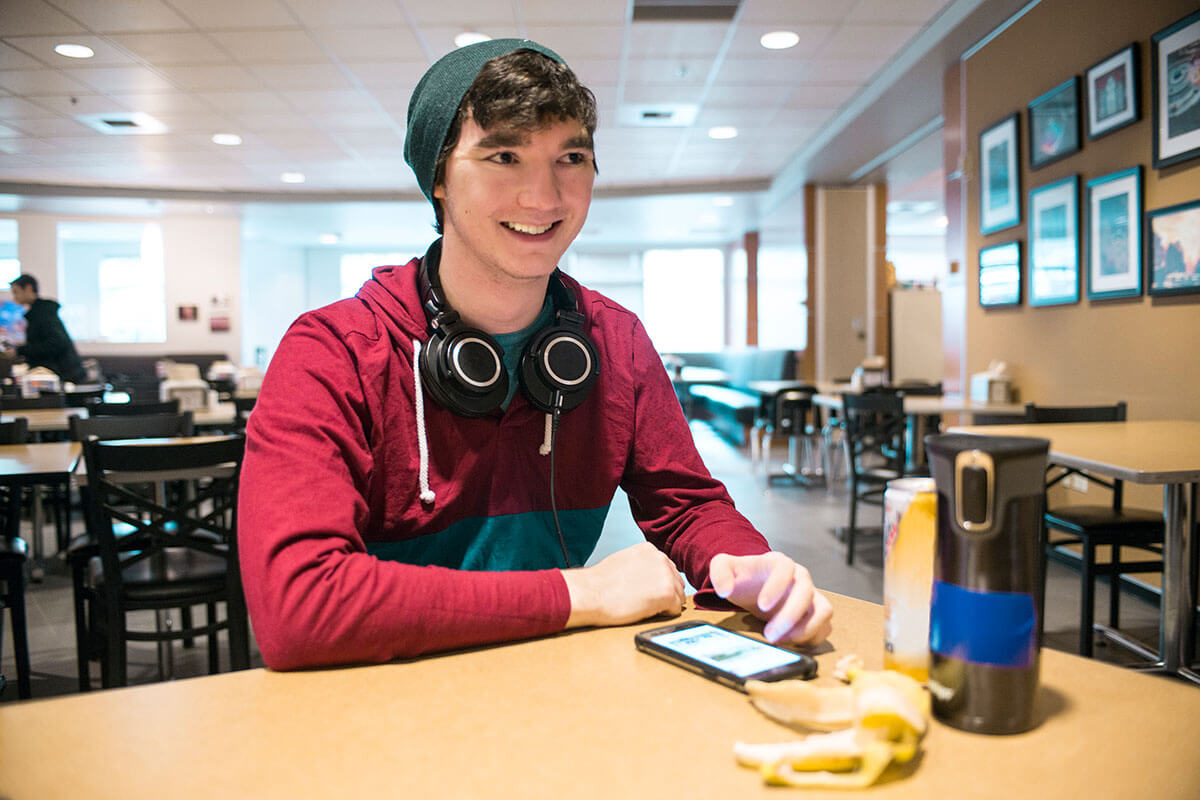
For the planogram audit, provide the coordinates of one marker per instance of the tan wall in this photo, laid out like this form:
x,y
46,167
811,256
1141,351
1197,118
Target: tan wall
x,y
1141,350
843,255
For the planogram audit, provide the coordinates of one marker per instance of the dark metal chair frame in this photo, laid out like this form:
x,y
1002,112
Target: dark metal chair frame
x,y
875,434
13,557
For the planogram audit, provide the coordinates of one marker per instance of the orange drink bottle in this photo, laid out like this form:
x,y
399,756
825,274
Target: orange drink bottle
x,y
910,531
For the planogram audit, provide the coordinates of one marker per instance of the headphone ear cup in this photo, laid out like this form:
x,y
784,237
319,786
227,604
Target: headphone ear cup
x,y
463,369
559,359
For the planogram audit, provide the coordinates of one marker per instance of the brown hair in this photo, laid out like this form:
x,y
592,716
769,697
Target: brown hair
x,y
519,90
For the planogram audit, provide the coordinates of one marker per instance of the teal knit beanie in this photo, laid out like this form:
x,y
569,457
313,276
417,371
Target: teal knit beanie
x,y
436,99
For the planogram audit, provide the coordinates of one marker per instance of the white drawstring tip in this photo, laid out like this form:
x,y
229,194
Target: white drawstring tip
x,y
428,496
544,450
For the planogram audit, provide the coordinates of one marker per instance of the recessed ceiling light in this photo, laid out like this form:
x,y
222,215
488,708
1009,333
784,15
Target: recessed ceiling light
x,y
723,201
470,37
779,40
74,50
292,177
329,238
227,139
722,132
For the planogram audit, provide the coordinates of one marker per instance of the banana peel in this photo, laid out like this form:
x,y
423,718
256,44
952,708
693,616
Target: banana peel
x,y
876,720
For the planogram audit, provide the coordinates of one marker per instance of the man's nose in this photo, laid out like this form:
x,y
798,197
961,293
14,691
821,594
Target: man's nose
x,y
540,187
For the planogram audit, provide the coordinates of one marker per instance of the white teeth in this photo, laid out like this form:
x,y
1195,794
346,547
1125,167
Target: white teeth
x,y
534,229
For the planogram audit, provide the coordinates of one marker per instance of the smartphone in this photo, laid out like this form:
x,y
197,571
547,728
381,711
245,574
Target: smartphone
x,y
724,656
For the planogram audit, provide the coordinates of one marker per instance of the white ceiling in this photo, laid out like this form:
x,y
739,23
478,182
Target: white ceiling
x,y
321,87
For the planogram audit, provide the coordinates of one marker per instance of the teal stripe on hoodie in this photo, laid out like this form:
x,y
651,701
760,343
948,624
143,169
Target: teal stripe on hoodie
x,y
523,541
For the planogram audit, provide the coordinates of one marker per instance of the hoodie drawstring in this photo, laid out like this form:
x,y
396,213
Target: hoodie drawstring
x,y
427,495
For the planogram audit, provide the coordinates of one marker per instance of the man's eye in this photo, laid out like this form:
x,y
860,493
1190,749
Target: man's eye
x,y
577,158
504,158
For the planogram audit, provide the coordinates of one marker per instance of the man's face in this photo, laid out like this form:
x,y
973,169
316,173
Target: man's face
x,y
22,295
513,201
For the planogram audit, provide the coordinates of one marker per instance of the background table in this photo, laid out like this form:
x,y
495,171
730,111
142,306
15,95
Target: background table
x,y
37,465
578,715
1152,452
56,419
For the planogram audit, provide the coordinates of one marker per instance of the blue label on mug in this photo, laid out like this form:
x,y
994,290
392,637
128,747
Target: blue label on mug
x,y
994,628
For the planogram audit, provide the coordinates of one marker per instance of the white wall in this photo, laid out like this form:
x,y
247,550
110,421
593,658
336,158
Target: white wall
x,y
274,288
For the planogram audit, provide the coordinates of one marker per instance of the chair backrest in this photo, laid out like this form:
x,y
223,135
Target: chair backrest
x,y
204,519
922,388
14,432
792,409
242,406
82,399
125,409
875,430
41,401
136,426
1112,413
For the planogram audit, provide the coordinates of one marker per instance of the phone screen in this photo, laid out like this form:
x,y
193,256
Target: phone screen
x,y
717,647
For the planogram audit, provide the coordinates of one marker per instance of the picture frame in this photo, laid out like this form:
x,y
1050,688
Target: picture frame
x,y
1000,176
1112,93
1173,249
1054,124
1114,235
1000,275
1054,243
1175,55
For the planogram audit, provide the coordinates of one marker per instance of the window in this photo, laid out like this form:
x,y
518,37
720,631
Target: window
x,y
684,296
10,261
355,269
617,276
783,298
111,281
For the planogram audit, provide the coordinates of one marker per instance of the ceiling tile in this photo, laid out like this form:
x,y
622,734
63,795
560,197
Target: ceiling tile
x,y
388,74
315,13
683,72
37,18
254,120
643,93
12,58
844,71
819,96
440,38
793,11
593,73
329,101
20,108
759,71
234,102
264,47
54,126
163,102
579,40
142,15
916,12
35,82
122,79
463,14
80,103
189,122
664,40
352,120
217,77
548,12
172,48
301,76
234,14
746,42
861,40
375,43
749,97
42,48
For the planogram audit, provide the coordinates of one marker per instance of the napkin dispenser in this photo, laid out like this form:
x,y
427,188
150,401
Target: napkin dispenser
x,y
993,385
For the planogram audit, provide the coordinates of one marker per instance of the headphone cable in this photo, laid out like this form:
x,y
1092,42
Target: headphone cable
x,y
562,540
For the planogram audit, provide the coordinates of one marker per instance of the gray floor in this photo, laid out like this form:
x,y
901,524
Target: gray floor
x,y
798,521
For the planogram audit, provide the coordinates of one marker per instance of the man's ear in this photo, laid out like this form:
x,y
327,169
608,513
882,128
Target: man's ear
x,y
439,191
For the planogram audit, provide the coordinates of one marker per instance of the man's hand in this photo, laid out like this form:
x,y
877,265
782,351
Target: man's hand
x,y
630,585
776,589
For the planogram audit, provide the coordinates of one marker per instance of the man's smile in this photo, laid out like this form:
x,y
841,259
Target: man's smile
x,y
533,230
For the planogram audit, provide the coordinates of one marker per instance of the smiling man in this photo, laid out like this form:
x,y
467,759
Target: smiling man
x,y
429,464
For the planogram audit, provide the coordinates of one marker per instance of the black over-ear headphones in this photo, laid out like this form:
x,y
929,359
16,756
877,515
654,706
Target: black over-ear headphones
x,y
463,367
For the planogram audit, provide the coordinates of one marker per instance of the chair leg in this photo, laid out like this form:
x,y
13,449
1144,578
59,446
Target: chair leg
x,y
82,638
1114,589
1087,603
185,623
853,522
14,598
210,618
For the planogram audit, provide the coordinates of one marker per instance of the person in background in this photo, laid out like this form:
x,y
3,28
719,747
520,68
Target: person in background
x,y
47,343
400,495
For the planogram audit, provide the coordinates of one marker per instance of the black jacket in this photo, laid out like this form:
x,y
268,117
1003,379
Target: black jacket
x,y
47,343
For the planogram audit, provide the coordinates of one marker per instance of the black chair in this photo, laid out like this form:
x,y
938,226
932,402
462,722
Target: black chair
x,y
83,399
1093,526
134,408
41,401
85,547
875,428
242,406
790,413
168,554
13,555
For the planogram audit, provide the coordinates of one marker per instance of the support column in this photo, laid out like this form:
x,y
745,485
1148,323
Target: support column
x,y
750,244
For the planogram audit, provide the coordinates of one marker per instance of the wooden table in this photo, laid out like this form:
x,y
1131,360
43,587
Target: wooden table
x,y
39,464
1163,452
580,715
56,419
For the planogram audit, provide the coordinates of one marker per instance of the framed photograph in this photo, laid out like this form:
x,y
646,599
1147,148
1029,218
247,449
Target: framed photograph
x,y
1054,243
1054,124
1112,93
1114,215
999,177
1175,59
1173,249
1000,275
